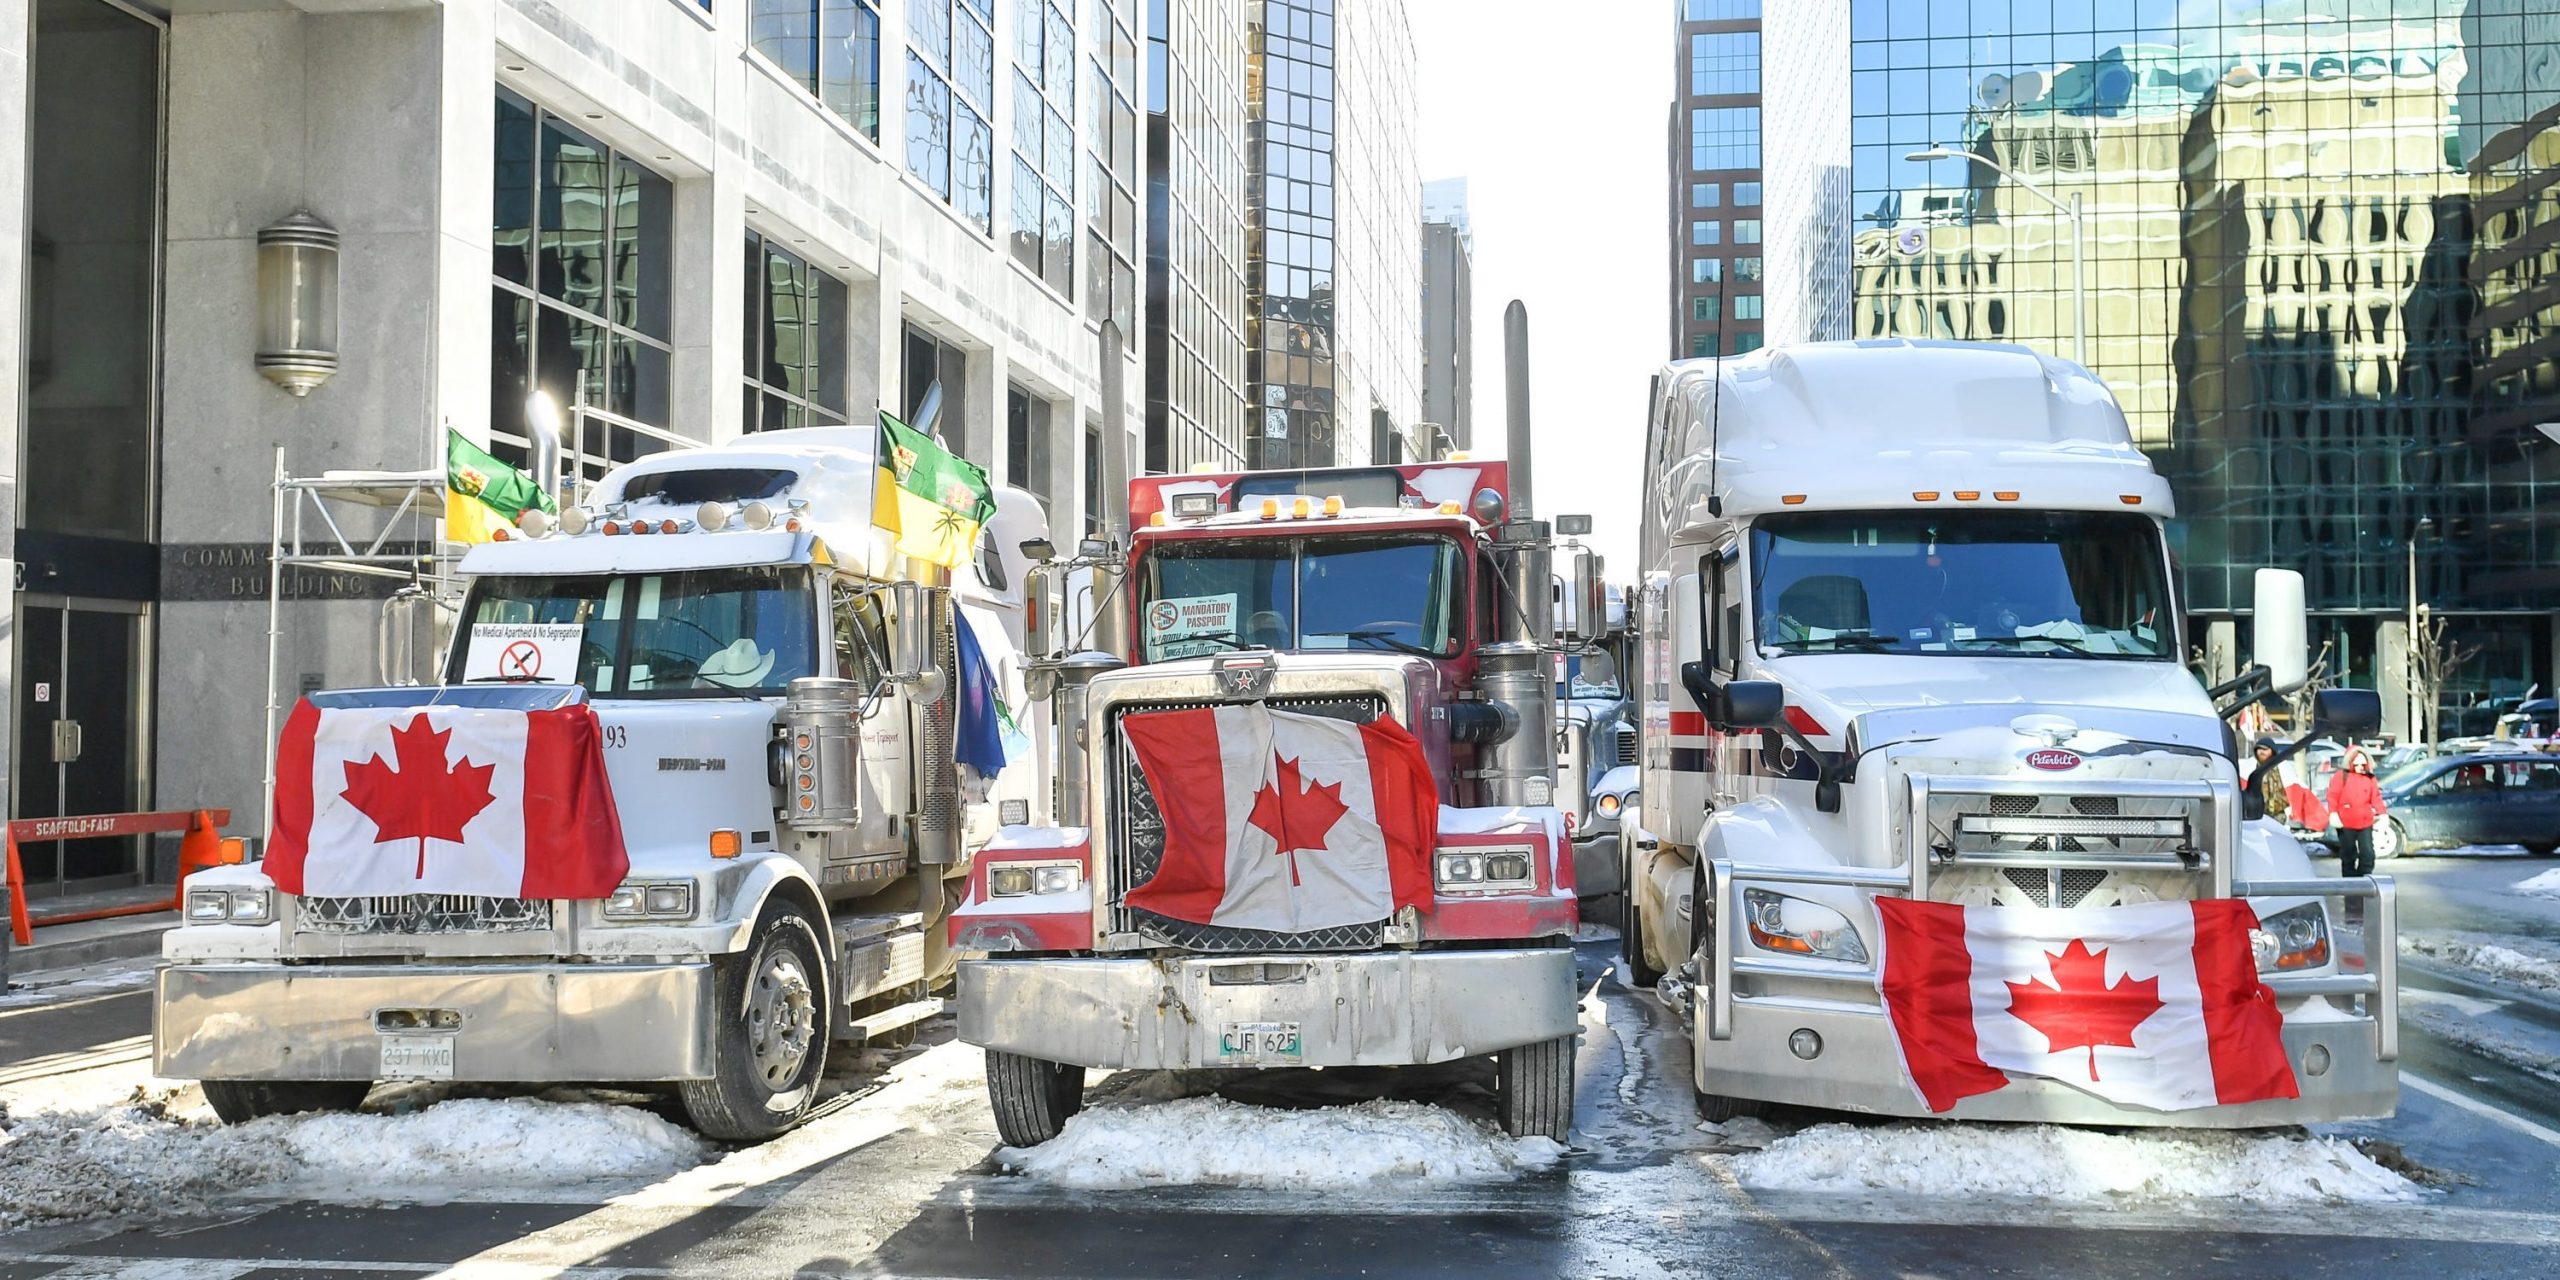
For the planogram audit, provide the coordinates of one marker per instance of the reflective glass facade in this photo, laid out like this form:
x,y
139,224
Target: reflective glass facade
x,y
1333,233
1195,235
1715,172
2316,274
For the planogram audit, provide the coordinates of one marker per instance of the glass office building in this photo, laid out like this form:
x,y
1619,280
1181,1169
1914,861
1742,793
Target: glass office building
x,y
1195,235
1333,233
1717,258
2314,239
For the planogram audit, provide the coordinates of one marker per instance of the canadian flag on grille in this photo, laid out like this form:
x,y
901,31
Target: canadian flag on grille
x,y
2156,1005
1285,822
463,800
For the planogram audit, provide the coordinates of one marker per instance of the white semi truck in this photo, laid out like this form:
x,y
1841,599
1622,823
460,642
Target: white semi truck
x,y
773,685
1911,628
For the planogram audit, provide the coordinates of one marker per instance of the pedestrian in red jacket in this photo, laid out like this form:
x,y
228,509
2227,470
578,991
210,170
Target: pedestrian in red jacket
x,y
2357,800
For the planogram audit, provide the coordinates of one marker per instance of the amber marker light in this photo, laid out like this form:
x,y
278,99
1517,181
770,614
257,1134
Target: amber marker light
x,y
1918,495
1793,499
726,844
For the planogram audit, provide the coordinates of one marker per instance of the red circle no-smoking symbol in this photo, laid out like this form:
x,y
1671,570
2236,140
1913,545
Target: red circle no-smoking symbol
x,y
521,660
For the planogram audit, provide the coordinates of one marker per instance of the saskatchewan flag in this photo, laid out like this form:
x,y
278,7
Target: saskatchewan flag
x,y
934,501
482,494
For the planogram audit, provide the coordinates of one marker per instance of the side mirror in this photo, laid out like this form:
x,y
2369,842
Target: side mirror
x,y
1754,704
1574,526
2282,627
2347,713
1586,615
1599,668
911,636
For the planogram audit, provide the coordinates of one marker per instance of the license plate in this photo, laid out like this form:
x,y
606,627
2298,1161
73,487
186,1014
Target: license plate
x,y
1259,1042
417,1057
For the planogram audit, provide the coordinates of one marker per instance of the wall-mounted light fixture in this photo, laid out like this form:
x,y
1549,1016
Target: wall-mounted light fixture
x,y
298,303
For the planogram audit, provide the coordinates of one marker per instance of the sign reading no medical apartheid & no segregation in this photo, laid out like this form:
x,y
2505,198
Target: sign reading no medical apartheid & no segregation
x,y
546,652
444,799
2156,1005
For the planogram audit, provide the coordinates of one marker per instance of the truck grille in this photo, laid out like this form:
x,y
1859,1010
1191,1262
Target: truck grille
x,y
2065,850
1138,850
1626,744
418,913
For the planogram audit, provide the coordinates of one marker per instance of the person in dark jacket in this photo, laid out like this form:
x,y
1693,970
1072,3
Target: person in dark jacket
x,y
2357,800
2271,796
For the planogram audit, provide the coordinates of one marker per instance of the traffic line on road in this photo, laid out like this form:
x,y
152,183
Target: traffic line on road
x,y
2496,1115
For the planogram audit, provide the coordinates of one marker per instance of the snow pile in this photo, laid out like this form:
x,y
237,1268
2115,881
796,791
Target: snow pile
x,y
1214,1142
2546,885
140,1157
2044,1162
2482,955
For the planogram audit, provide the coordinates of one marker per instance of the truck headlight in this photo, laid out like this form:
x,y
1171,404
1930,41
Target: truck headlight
x,y
1793,926
230,904
650,900
1607,805
1500,869
2297,938
1025,879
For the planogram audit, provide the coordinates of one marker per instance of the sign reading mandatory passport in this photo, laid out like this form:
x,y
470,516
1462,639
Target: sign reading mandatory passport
x,y
1188,626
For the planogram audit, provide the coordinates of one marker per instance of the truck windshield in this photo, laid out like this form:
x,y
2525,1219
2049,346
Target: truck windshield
x,y
1391,592
2044,584
750,629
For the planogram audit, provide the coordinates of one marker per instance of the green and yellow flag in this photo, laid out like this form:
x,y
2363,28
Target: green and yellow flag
x,y
932,499
482,494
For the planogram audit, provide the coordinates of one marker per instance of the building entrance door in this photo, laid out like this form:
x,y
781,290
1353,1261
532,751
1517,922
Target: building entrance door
x,y
79,694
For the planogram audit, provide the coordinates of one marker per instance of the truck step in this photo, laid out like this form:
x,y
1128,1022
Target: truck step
x,y
890,1019
878,961
852,929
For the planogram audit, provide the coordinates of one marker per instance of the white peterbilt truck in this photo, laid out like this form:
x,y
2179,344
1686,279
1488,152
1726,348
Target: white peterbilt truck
x,y
772,682
1911,628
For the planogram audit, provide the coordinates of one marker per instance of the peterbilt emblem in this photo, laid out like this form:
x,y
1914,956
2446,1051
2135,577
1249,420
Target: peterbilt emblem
x,y
1242,677
2053,760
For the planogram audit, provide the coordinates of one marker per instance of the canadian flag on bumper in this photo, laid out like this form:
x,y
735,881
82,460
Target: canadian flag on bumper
x,y
1285,822
461,800
2156,1005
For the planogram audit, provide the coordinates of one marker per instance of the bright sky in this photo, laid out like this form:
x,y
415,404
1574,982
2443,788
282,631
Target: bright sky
x,y
1555,116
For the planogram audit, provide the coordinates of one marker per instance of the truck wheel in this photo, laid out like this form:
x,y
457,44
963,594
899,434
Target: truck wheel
x,y
241,1101
1638,975
770,1041
1033,1097
1718,1108
1533,1088
1713,1107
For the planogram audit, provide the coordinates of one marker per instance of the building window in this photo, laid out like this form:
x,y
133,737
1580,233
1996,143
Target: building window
x,y
1724,62
1705,195
1746,268
796,348
1719,10
1017,436
951,82
1705,270
1044,143
1746,193
831,48
1746,343
1706,233
929,361
1746,231
1702,345
580,250
1724,138
1112,231
1707,310
1746,306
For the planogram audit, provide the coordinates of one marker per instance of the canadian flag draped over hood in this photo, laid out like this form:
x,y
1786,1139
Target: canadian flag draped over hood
x,y
2156,1005
1285,822
444,799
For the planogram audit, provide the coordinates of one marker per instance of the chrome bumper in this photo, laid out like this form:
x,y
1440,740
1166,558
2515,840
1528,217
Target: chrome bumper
x,y
1372,1009
516,1022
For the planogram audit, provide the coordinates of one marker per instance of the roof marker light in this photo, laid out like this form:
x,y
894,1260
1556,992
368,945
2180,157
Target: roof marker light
x,y
1449,508
2130,499
501,534
1298,508
643,526
756,515
1270,508
1793,499
1157,521
2005,495
575,520
1921,495
1460,456
667,526
1333,506
535,522
1968,495
1204,468
791,525
610,527
711,517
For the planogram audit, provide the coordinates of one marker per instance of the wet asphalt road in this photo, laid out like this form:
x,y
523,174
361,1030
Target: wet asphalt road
x,y
897,1179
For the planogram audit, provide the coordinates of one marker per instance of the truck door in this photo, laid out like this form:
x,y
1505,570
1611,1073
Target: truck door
x,y
861,642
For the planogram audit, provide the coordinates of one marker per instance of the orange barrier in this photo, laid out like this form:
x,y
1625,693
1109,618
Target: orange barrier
x,y
202,846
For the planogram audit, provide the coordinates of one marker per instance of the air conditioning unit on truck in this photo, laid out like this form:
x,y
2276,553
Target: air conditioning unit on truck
x,y
1934,819
686,808
1304,813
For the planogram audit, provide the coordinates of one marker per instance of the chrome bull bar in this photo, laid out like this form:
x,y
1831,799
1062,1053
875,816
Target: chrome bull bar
x,y
2379,984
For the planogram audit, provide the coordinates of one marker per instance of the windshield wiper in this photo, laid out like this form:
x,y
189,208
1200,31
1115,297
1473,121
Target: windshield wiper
x,y
1381,640
2060,644
1852,640
1228,638
512,680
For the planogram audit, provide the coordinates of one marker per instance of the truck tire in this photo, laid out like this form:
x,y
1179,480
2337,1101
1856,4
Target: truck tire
x,y
1033,1097
241,1101
1533,1089
1713,1107
769,1044
1635,973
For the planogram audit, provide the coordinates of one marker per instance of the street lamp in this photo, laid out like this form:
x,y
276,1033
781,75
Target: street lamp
x,y
2421,717
2079,261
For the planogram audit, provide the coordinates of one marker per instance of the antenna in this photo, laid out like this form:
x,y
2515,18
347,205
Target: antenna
x,y
1715,399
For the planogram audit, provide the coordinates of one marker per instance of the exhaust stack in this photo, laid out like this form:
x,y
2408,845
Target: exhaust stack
x,y
1515,394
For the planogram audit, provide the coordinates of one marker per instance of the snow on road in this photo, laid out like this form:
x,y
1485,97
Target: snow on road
x,y
1207,1141
2545,885
144,1157
1954,1161
2526,961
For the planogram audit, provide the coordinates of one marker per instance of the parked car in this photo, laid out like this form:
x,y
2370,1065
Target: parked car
x,y
2478,798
